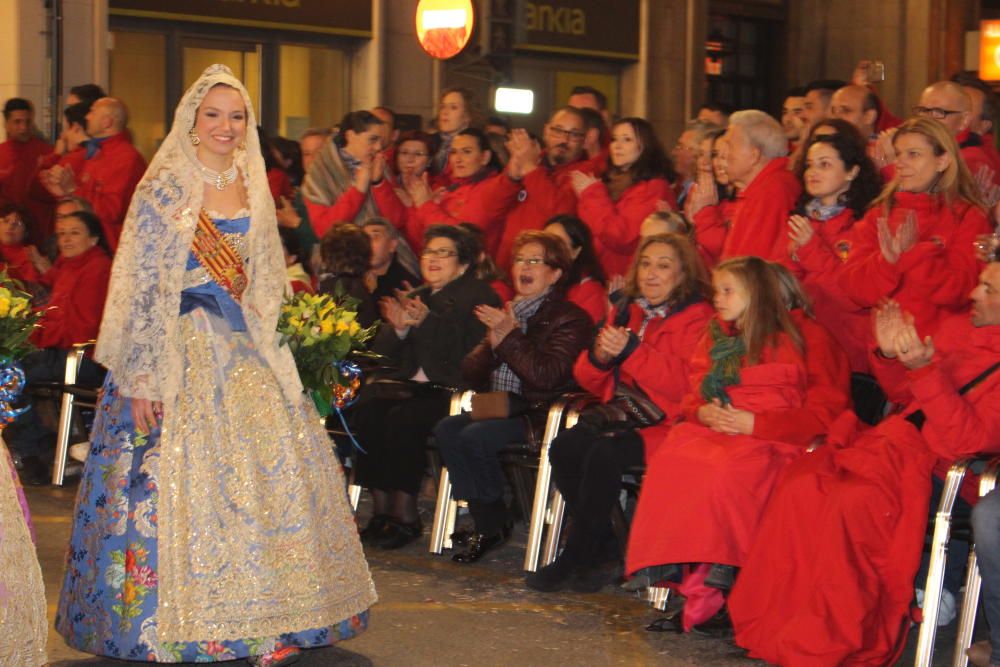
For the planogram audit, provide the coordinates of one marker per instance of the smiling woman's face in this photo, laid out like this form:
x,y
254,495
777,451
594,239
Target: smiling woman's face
x,y
221,124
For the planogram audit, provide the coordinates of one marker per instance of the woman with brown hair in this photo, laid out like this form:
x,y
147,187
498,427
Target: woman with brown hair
x,y
646,344
915,243
528,352
638,176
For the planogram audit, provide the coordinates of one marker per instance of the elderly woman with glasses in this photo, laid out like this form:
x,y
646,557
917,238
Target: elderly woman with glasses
x,y
426,333
525,361
15,253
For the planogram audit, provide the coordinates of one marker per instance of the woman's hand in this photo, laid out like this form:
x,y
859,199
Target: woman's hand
x,y
913,352
40,261
581,181
888,322
146,415
378,167
733,421
894,245
287,215
711,414
885,152
363,176
393,313
610,343
800,230
499,321
416,311
419,189
703,193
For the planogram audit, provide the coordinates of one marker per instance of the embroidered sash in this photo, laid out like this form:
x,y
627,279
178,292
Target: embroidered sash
x,y
220,259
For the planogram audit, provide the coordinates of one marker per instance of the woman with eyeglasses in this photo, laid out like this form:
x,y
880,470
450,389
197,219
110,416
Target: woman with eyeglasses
x,y
426,333
479,192
14,251
638,177
915,243
839,182
526,359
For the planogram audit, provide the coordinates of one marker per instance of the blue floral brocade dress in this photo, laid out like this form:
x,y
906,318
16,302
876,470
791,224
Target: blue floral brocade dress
x,y
250,496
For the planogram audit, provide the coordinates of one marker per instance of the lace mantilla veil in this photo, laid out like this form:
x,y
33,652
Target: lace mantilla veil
x,y
139,341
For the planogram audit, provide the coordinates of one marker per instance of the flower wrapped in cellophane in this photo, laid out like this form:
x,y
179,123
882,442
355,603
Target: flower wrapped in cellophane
x,y
322,330
17,320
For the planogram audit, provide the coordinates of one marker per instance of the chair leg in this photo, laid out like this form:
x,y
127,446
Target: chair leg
x,y
543,484
444,514
353,490
973,581
557,512
939,555
62,439
658,596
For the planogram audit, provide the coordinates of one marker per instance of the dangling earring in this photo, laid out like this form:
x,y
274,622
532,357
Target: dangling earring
x,y
193,136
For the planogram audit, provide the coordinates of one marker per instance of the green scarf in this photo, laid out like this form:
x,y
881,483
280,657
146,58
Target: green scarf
x,y
727,356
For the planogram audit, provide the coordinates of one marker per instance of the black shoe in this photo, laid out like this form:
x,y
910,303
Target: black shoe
x,y
553,577
376,528
592,579
673,616
398,534
722,577
480,544
718,627
461,537
34,472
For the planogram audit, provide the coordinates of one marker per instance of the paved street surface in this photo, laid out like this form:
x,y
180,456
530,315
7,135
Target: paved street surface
x,y
432,612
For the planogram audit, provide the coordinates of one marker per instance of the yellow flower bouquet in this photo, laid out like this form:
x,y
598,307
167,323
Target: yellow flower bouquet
x,y
17,320
322,330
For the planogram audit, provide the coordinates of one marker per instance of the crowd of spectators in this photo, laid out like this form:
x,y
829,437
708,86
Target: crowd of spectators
x,y
724,291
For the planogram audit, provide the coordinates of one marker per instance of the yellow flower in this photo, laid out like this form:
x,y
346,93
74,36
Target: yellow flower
x,y
326,326
294,322
4,305
354,328
19,307
342,326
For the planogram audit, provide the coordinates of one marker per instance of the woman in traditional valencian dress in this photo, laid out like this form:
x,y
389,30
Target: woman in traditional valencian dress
x,y
22,596
211,522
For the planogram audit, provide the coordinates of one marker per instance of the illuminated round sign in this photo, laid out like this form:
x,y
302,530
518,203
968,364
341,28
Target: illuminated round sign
x,y
444,26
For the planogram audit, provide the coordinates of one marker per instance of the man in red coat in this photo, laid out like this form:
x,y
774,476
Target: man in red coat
x,y
758,167
19,158
111,170
829,579
545,184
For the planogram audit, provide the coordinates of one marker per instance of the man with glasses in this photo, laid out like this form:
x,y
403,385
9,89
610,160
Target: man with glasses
x,y
544,175
685,157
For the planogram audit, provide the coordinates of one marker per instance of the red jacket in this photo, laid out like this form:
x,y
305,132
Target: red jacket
x,y
616,223
19,164
711,225
108,180
828,390
760,223
18,265
483,200
79,286
829,580
659,365
590,295
279,183
934,277
349,204
818,265
704,491
44,201
545,192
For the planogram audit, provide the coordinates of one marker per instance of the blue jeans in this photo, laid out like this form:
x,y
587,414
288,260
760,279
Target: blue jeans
x,y
471,451
986,526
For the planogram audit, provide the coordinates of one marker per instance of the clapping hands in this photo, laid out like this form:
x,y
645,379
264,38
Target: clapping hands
x,y
897,337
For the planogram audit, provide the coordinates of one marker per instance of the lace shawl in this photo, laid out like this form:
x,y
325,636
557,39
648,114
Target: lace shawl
x,y
139,338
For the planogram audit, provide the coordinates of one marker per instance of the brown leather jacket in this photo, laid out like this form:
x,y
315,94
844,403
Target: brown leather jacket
x,y
542,357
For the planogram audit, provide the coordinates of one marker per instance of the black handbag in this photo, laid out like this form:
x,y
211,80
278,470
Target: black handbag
x,y
629,408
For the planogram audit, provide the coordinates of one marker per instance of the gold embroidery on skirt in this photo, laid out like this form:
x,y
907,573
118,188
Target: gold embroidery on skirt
x,y
22,595
255,534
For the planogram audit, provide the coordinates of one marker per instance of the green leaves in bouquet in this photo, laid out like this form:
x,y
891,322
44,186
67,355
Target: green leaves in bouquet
x,y
17,319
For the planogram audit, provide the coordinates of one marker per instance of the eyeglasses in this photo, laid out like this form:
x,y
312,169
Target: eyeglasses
x,y
936,113
14,221
562,132
529,261
411,154
440,253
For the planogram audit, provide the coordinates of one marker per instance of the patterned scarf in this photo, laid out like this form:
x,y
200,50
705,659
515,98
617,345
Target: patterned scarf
x,y
503,378
817,211
649,312
330,175
727,355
